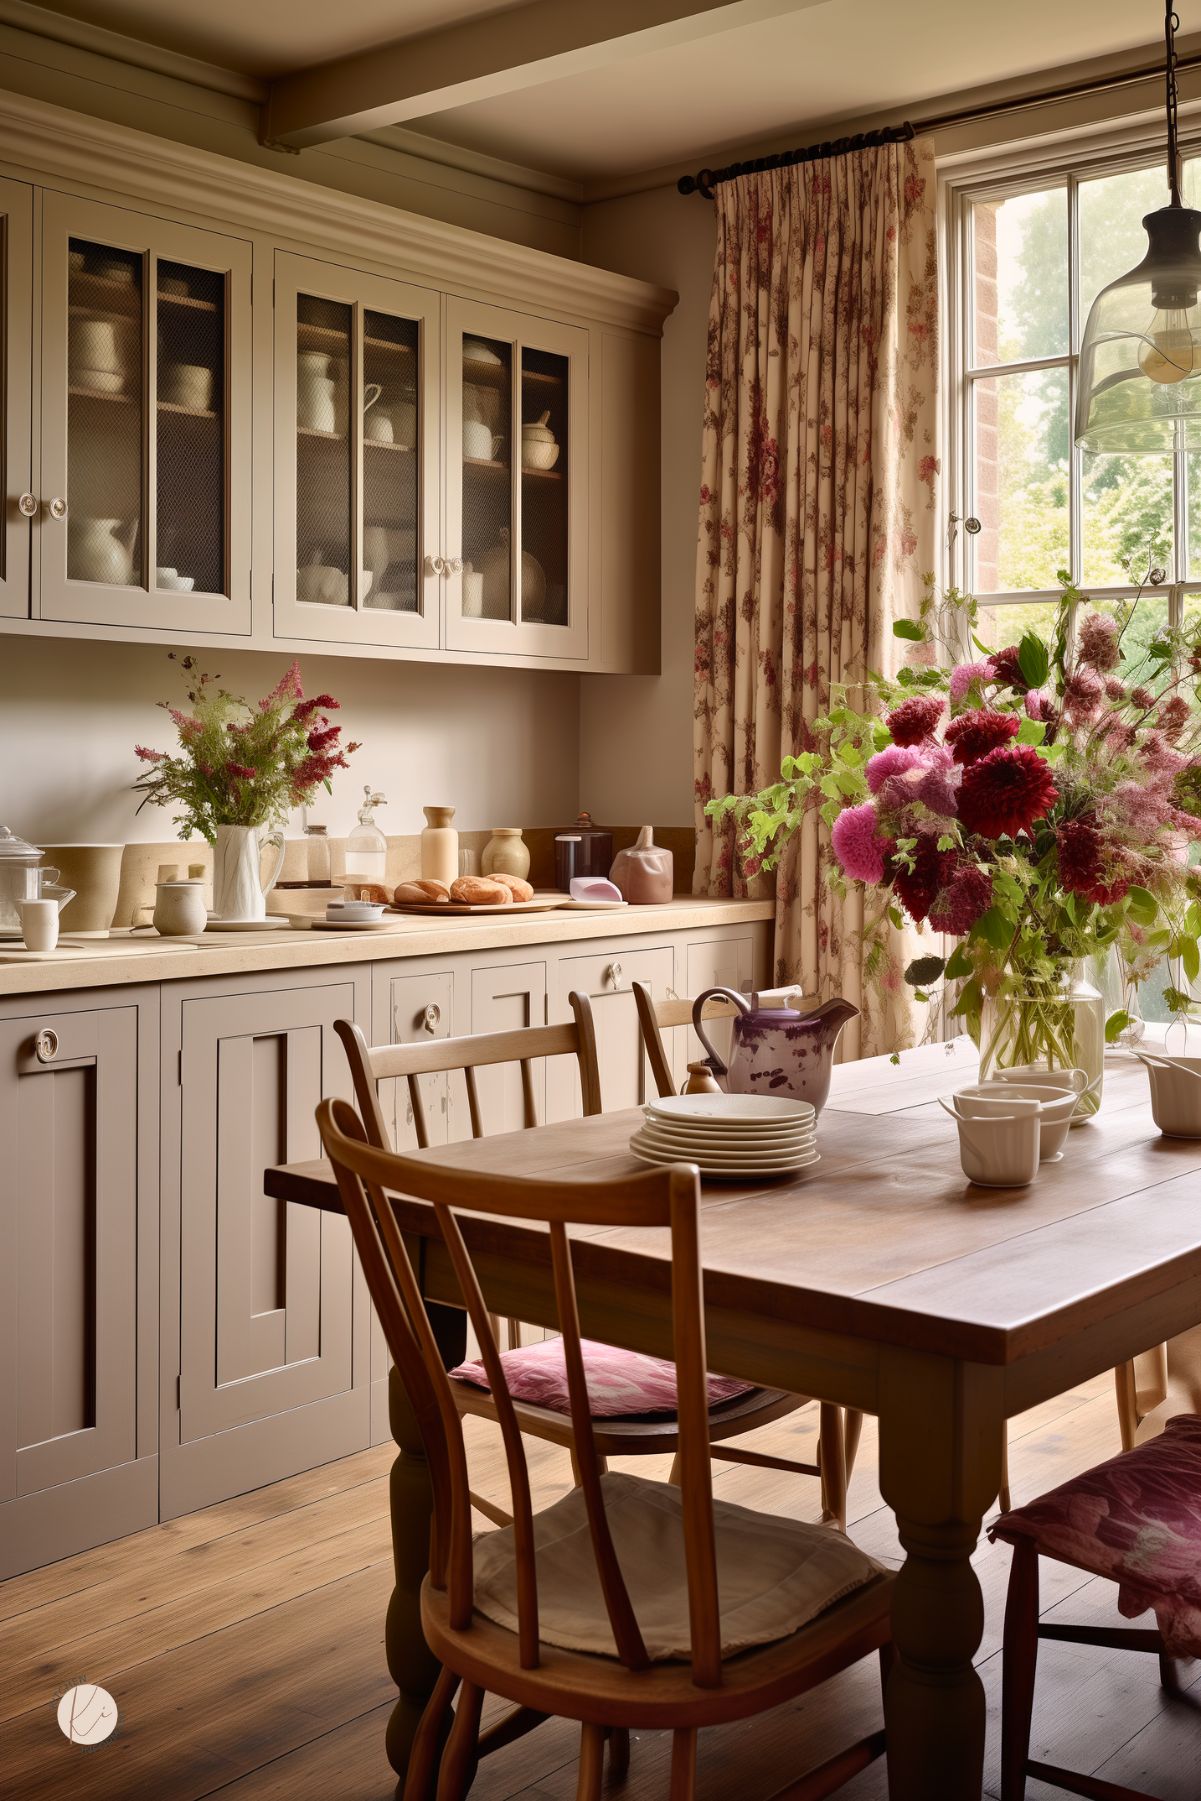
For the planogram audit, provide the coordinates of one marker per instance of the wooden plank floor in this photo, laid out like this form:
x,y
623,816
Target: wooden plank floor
x,y
244,1647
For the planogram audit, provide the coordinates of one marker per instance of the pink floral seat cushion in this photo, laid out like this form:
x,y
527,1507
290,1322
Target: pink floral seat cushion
x,y
1137,1521
621,1384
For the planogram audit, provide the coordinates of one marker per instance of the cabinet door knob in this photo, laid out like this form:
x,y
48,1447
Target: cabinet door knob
x,y
455,565
58,507
28,504
45,1045
435,565
613,974
431,1016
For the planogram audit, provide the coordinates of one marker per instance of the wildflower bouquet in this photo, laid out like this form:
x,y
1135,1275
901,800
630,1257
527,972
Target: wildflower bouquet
x,y
1038,805
238,764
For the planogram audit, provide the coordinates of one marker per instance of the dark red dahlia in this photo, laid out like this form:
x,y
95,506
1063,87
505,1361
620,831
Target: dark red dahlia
x,y
1005,666
1005,792
965,894
1084,868
916,882
915,719
973,735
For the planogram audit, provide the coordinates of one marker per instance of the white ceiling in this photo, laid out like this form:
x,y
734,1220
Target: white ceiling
x,y
842,58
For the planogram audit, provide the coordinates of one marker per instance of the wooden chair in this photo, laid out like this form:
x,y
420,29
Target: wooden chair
x,y
615,1437
567,1632
654,1018
1134,1520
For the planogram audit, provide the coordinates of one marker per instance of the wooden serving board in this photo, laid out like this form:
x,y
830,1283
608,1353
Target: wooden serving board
x,y
456,909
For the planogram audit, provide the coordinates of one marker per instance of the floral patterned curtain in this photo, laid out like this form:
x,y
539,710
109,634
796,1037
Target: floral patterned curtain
x,y
817,515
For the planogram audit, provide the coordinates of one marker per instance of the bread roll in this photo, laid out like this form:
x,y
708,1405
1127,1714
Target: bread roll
x,y
422,892
522,890
481,891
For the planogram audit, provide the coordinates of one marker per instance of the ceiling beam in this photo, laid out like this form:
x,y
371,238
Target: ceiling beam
x,y
500,53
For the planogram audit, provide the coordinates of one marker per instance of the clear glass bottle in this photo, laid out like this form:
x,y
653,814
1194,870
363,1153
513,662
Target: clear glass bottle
x,y
367,848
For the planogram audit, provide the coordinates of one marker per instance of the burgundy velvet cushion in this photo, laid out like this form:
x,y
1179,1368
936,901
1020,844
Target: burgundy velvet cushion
x,y
1136,1520
620,1383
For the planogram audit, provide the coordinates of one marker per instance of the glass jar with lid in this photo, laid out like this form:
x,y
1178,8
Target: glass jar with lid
x,y
366,847
583,849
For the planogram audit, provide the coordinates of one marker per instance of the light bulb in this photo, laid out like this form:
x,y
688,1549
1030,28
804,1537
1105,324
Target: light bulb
x,y
1168,353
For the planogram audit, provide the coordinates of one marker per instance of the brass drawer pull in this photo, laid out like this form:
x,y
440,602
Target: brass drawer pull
x,y
45,1045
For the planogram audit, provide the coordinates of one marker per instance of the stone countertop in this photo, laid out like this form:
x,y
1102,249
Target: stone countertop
x,y
107,963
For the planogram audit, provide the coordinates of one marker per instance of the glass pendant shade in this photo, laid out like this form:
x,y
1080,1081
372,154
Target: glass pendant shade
x,y
1140,359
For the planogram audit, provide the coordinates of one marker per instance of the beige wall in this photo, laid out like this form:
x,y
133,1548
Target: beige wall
x,y
636,731
501,746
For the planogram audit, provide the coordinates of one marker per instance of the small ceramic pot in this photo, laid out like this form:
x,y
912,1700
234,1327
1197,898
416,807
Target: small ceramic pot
x,y
1175,1093
39,924
506,853
999,1152
179,909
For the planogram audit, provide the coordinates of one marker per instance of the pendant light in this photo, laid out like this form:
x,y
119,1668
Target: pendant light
x,y
1140,360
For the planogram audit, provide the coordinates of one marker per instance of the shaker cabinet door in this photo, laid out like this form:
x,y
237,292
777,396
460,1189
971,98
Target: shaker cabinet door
x,y
272,1349
71,1324
145,422
516,483
357,434
16,372
605,977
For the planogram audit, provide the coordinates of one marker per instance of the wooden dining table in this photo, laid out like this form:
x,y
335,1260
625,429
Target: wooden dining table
x,y
879,1279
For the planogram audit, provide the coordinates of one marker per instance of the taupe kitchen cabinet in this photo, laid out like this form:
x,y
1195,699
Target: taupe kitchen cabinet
x,y
78,1298
144,490
507,997
358,435
728,961
265,1346
16,371
605,977
516,483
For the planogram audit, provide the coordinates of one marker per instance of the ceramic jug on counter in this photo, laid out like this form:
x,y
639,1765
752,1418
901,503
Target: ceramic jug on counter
x,y
776,1050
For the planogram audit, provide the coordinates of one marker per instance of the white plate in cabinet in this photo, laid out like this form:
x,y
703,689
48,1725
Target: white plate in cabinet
x,y
358,436
144,490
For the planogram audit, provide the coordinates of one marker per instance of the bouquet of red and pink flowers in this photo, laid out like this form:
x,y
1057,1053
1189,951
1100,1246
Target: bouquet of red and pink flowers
x,y
238,764
1039,803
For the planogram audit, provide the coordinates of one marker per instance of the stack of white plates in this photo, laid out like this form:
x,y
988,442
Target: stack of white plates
x,y
730,1135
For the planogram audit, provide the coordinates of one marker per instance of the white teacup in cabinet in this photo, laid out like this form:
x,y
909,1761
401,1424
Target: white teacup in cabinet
x,y
143,503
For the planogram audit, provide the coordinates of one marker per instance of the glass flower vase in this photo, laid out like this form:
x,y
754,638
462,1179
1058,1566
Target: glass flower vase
x,y
1036,1027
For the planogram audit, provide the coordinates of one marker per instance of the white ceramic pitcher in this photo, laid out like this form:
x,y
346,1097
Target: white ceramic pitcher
x,y
239,891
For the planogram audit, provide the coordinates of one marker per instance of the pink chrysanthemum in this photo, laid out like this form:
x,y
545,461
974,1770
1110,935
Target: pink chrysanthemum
x,y
1005,666
965,894
1098,644
859,844
938,788
965,677
1037,704
973,735
1006,791
894,759
913,722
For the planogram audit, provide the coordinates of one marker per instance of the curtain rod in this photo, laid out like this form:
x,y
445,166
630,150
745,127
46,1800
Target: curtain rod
x,y
705,180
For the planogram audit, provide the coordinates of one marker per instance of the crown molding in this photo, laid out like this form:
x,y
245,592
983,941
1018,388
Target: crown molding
x,y
51,143
78,34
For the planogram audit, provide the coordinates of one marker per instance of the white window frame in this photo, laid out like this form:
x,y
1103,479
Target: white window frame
x,y
1070,164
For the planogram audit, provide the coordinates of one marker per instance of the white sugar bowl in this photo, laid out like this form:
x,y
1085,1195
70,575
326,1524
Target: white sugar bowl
x,y
1175,1092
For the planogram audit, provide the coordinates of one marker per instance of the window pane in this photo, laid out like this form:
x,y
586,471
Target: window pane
x,y
1112,239
1020,258
1020,481
1126,514
997,627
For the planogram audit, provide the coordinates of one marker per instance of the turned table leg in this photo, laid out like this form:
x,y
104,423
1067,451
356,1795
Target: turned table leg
x,y
411,1665
940,1439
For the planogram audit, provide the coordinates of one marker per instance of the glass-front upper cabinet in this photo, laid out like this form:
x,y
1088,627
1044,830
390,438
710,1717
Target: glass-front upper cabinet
x,y
516,483
16,242
356,456
144,501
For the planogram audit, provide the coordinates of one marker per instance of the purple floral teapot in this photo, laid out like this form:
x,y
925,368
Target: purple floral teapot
x,y
776,1050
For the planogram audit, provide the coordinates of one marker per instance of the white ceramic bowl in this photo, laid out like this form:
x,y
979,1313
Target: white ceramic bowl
x,y
98,381
537,454
353,911
1175,1093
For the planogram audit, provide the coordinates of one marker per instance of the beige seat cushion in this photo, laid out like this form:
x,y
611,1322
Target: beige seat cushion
x,y
773,1575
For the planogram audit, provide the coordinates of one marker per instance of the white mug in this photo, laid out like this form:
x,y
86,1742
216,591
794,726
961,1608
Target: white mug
x,y
188,384
316,408
39,924
479,442
377,429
